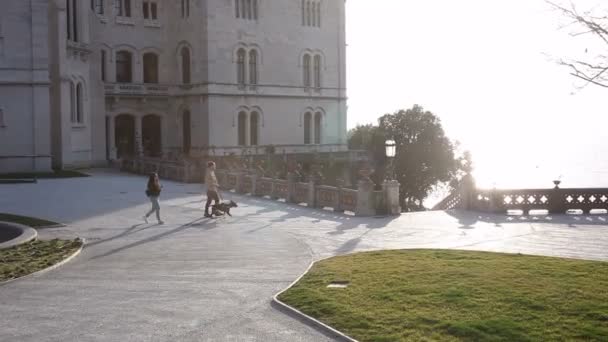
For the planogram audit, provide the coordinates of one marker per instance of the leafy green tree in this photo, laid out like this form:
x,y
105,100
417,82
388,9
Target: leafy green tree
x,y
425,156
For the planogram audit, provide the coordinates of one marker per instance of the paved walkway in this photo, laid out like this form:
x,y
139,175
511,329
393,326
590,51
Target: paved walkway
x,y
201,280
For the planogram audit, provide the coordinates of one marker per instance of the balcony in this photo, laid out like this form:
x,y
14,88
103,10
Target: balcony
x,y
132,89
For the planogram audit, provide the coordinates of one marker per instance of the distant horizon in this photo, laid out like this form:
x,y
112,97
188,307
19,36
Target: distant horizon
x,y
486,70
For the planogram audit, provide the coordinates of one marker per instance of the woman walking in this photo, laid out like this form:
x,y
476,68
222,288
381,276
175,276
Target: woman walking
x,y
153,192
212,188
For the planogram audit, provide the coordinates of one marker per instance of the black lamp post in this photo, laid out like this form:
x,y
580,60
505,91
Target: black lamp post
x,y
391,152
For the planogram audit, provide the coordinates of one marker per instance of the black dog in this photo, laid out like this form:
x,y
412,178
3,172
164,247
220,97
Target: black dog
x,y
222,208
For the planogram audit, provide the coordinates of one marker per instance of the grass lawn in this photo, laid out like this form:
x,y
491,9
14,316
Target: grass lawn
x,y
28,221
54,174
34,256
432,295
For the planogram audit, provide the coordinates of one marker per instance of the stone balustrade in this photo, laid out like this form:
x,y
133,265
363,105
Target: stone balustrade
x,y
555,201
363,201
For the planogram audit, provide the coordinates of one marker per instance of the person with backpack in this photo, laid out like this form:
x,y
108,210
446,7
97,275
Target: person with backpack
x,y
153,193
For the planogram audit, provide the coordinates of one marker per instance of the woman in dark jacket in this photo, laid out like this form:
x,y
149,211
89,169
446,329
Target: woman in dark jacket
x,y
153,192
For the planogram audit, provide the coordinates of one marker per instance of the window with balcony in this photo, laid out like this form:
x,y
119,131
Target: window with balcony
x,y
123,8
123,67
246,9
150,68
150,10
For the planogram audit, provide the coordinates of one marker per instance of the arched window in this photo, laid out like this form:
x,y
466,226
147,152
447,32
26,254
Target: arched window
x,y
307,128
318,71
185,8
73,103
237,7
254,128
255,9
240,66
306,70
123,67
68,18
318,121
185,65
150,68
303,12
103,65
124,8
97,6
72,19
253,67
308,14
79,104
242,126
314,14
319,14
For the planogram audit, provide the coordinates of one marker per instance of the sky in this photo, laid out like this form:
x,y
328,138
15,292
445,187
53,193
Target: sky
x,y
487,69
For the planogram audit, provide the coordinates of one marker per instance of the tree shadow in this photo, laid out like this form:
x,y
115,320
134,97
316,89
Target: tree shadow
x,y
132,230
192,224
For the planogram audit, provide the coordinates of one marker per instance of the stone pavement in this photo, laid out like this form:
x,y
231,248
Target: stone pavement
x,y
194,279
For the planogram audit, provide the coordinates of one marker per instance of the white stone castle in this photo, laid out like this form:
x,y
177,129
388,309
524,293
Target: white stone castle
x,y
85,82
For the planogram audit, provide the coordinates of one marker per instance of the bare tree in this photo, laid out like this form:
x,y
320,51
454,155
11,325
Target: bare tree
x,y
594,68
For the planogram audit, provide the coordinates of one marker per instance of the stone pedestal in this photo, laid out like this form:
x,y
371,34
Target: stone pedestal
x,y
338,208
312,196
557,202
391,197
291,187
240,178
467,193
365,199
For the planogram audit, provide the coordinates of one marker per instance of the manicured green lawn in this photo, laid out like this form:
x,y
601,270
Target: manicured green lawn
x,y
431,295
28,221
54,174
34,256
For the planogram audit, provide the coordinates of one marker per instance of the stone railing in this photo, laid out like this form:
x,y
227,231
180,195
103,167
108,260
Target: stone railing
x,y
555,201
362,201
183,171
134,89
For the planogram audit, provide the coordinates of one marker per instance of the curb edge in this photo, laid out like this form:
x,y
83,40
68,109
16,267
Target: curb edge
x,y
50,268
